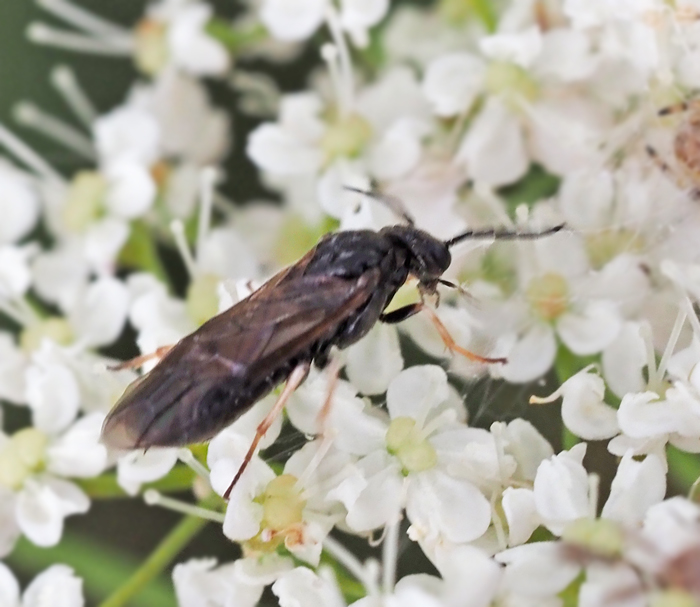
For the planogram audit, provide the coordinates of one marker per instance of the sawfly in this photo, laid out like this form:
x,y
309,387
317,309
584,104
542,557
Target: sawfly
x,y
331,297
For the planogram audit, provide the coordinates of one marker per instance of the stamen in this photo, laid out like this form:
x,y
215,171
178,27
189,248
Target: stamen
x,y
40,33
365,573
155,498
444,418
346,101
11,311
178,230
83,19
497,431
224,204
323,448
390,554
691,315
672,342
31,116
187,457
498,525
65,81
329,53
593,492
25,154
545,400
24,308
654,380
207,182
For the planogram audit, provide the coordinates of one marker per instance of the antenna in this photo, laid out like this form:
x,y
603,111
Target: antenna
x,y
502,234
393,203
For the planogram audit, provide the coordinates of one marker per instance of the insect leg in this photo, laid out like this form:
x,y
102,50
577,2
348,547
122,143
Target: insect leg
x,y
333,374
297,376
452,345
401,314
139,361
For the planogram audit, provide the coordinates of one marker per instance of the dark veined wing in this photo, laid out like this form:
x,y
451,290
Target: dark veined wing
x,y
215,374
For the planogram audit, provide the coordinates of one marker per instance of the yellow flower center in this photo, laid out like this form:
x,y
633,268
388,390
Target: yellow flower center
x,y
548,295
346,137
151,52
202,300
84,201
283,510
511,82
296,237
601,537
604,246
405,441
54,328
674,597
21,456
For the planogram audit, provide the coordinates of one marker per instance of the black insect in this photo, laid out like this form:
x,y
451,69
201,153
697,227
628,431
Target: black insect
x,y
330,297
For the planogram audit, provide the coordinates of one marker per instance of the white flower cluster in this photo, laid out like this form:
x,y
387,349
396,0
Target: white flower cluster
x,y
518,114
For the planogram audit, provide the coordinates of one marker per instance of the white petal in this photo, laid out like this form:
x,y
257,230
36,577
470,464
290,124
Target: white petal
x,y
15,276
131,190
397,152
591,329
521,514
137,467
292,19
301,587
196,584
225,252
528,447
41,508
19,204
9,529
561,491
57,586
12,364
494,149
471,577
416,391
127,134
381,501
79,453
532,356
243,516
644,415
521,48
446,507
636,487
375,360
566,55
103,241
192,48
452,83
98,317
537,569
274,149
362,13
586,197
53,396
9,587
623,361
584,411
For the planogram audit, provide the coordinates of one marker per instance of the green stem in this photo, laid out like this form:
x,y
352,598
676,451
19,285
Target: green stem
x,y
105,486
684,469
160,558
